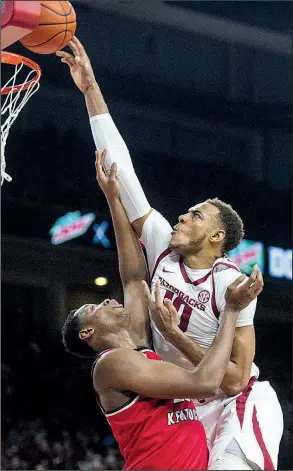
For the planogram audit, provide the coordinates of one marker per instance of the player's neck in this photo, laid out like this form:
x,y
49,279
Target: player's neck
x,y
120,340
199,261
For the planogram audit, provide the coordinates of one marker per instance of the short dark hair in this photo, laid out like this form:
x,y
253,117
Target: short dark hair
x,y
70,336
232,224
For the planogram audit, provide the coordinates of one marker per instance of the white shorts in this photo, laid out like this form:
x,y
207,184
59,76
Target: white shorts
x,y
253,418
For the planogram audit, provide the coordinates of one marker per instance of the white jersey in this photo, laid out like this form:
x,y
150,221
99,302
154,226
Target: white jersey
x,y
197,295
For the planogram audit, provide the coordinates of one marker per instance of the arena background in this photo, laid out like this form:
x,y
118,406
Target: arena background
x,y
201,93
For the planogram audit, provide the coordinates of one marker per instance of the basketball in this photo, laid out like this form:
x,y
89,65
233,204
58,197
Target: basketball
x,y
56,28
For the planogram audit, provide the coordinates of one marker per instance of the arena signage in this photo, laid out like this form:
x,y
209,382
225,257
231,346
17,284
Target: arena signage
x,y
70,226
247,254
280,262
100,234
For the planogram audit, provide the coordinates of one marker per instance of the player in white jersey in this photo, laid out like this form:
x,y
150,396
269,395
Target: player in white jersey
x,y
237,420
244,424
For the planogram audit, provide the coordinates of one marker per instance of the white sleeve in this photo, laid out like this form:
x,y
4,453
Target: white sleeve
x,y
156,236
223,279
107,136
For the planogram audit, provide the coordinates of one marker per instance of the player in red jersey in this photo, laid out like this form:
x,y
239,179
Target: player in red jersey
x,y
141,396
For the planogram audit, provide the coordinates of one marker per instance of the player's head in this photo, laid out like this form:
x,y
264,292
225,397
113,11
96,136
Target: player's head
x,y
212,225
92,327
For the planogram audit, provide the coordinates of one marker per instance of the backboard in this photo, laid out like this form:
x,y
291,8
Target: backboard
x,y
18,18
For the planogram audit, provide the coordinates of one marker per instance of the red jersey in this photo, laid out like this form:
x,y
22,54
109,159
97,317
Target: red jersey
x,y
156,434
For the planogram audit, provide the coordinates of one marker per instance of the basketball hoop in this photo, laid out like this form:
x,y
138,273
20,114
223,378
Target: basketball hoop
x,y
14,99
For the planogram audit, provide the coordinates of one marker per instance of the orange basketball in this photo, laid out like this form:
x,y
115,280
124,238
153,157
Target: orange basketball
x,y
56,28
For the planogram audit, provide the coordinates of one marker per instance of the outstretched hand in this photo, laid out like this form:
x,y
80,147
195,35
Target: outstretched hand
x,y
239,295
109,184
163,312
79,63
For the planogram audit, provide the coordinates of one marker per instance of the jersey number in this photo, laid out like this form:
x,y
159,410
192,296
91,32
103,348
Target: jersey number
x,y
186,313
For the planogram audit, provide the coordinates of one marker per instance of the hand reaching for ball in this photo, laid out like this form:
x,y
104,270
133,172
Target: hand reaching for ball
x,y
80,66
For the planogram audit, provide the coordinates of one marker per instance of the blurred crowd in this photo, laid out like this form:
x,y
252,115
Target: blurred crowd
x,y
32,445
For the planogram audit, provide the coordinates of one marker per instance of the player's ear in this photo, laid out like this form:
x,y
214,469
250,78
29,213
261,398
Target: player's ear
x,y
86,333
218,236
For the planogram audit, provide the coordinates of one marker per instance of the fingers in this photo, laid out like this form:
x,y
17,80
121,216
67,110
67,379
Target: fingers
x,y
100,156
73,46
147,294
259,275
257,284
254,284
258,292
157,293
79,46
113,172
66,58
253,274
237,282
153,303
66,61
255,278
170,307
64,54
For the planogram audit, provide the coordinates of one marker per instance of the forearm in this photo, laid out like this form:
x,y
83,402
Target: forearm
x,y
107,136
232,381
214,362
132,265
95,102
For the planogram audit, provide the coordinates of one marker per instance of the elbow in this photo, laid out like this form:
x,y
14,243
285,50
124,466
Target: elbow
x,y
213,392
231,389
235,388
212,389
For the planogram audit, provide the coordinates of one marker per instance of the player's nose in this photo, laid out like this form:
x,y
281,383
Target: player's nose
x,y
181,220
113,302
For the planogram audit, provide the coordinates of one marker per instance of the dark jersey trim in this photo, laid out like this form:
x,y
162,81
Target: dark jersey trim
x,y
214,304
118,409
188,280
229,265
159,259
138,349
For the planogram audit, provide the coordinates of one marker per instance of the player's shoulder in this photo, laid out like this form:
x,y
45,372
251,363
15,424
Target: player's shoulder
x,y
223,264
109,362
225,271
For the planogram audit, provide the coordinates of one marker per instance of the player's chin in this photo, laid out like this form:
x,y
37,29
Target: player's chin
x,y
175,245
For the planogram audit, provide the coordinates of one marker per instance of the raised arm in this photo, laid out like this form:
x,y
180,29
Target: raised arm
x,y
107,136
132,266
237,297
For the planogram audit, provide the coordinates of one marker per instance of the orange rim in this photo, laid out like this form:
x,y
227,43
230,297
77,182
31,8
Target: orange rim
x,y
15,59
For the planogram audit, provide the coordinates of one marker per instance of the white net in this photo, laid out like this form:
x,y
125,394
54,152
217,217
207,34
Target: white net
x,y
11,106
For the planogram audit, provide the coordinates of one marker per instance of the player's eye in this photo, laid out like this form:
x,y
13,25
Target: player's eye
x,y
195,214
